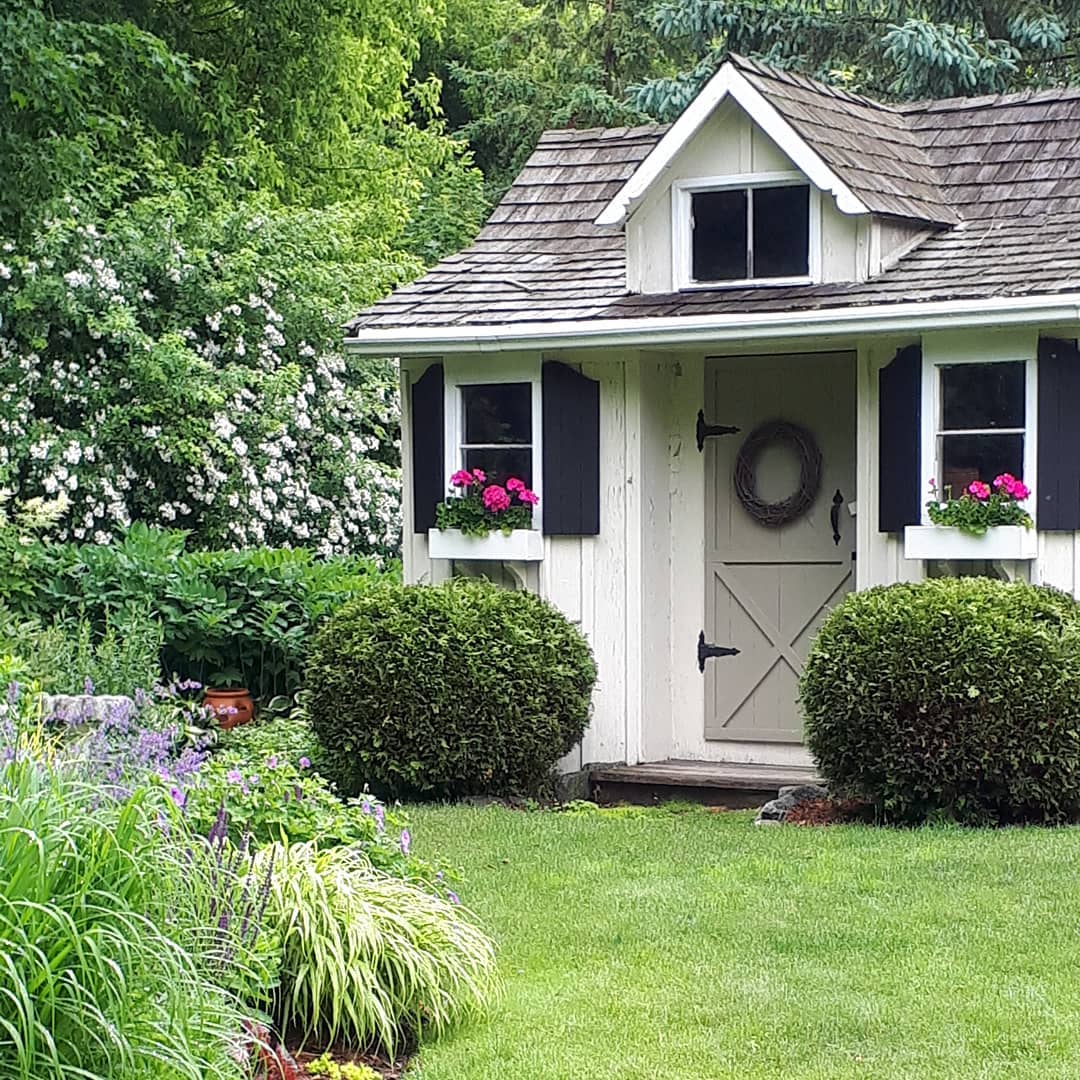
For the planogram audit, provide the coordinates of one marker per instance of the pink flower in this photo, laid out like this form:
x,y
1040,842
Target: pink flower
x,y
461,479
1015,489
479,476
514,484
527,496
1020,491
496,499
978,490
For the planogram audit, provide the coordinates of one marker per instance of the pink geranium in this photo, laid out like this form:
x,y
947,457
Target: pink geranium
x,y
528,497
461,479
1009,485
978,490
496,499
514,484
479,476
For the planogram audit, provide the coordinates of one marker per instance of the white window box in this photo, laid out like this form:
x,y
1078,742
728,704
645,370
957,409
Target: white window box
x,y
522,545
1000,543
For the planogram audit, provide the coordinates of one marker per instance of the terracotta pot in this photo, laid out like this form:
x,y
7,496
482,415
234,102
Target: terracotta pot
x,y
231,707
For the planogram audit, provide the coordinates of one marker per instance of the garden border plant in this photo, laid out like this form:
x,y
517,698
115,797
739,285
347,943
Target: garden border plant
x,y
954,697
449,690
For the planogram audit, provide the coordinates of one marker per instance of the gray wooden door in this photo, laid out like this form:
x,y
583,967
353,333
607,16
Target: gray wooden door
x,y
768,589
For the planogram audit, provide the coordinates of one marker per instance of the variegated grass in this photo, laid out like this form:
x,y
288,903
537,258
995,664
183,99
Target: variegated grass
x,y
367,958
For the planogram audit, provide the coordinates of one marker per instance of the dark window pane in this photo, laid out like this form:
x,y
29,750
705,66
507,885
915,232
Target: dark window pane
x,y
500,465
781,231
498,413
982,396
719,235
979,457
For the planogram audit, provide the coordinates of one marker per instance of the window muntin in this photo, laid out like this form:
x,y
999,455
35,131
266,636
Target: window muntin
x,y
750,233
981,422
497,430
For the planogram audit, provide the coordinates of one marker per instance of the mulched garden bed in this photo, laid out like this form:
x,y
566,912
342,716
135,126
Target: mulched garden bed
x,y
830,812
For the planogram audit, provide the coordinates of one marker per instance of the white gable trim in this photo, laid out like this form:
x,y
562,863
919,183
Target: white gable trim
x,y
728,81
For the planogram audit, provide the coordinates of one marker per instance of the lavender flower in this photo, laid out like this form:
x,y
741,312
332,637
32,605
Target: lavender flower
x,y
453,897
380,817
304,763
405,841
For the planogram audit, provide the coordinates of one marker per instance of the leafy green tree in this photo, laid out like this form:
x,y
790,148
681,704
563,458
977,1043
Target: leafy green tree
x,y
907,49
554,63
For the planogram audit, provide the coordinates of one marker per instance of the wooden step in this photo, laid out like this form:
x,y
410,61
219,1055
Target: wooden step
x,y
736,785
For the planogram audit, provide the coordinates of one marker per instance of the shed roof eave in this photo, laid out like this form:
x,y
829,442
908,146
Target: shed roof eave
x,y
1052,309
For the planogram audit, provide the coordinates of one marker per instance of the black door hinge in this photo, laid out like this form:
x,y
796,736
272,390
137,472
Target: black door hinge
x,y
709,431
706,651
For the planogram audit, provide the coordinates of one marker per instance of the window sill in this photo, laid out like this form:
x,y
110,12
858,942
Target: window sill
x,y
1001,542
522,545
746,283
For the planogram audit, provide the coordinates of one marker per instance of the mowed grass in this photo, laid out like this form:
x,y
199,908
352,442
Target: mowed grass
x,y
694,945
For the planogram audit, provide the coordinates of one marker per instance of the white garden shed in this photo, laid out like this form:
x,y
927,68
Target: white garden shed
x,y
730,353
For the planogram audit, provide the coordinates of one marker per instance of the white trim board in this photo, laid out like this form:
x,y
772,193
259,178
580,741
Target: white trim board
x,y
1061,309
728,81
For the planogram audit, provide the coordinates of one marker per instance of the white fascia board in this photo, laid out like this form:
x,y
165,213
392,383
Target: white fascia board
x,y
640,333
728,81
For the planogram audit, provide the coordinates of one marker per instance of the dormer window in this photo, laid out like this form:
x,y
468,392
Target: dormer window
x,y
745,230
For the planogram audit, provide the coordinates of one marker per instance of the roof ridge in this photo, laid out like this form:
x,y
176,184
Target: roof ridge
x,y
990,101
798,78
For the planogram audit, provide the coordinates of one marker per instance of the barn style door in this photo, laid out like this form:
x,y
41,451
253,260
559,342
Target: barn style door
x,y
768,588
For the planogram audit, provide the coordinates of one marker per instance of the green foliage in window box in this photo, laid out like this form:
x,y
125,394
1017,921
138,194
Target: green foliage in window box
x,y
457,689
981,506
955,696
479,507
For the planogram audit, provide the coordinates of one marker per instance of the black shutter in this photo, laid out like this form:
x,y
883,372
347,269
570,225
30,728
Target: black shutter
x,y
428,469
571,452
899,432
1058,474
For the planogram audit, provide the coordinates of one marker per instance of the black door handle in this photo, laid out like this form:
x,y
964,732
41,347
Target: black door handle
x,y
834,516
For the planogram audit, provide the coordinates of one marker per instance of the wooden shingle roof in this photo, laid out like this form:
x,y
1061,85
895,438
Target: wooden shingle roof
x,y
999,175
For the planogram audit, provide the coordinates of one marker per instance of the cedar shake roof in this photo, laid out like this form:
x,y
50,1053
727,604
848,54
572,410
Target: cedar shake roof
x,y
999,176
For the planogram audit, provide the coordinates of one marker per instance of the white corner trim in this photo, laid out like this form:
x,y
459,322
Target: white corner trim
x,y
909,317
728,81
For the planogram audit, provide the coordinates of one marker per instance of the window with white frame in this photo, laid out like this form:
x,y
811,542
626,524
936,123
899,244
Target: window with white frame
x,y
494,423
496,430
746,230
982,422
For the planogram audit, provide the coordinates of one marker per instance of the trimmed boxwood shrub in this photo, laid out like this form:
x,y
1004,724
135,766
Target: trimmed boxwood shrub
x,y
957,697
449,690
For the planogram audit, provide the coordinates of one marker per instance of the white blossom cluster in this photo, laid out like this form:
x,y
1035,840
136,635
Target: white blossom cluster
x,y
123,388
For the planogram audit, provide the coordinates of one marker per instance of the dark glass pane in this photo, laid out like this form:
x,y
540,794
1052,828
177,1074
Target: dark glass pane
x,y
719,235
982,396
500,465
498,413
979,457
781,232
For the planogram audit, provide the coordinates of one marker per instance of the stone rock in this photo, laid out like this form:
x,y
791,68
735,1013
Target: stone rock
x,y
85,708
776,810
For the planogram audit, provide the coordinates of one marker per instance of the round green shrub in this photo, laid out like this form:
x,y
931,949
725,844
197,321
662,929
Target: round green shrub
x,y
955,697
448,690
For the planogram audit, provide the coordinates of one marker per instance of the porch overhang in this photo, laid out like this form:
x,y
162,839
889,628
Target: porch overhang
x,y
794,326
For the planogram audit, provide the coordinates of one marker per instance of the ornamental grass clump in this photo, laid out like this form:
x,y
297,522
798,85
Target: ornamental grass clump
x,y
368,959
954,697
105,972
449,690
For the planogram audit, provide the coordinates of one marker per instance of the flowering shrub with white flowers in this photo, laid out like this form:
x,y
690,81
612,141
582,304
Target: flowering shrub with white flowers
x,y
183,368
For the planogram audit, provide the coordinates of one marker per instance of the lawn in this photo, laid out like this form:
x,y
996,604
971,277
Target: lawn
x,y
694,945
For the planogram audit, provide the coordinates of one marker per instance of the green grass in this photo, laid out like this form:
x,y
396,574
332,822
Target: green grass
x,y
693,945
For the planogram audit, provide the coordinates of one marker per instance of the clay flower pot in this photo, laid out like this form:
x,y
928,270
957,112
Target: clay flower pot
x,y
230,707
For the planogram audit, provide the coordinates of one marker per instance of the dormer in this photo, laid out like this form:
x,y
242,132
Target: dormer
x,y
769,179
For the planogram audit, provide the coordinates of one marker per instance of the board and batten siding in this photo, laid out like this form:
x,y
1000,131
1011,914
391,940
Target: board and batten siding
x,y
593,580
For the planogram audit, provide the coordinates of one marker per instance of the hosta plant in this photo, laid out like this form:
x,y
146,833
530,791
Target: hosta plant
x,y
981,506
478,507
